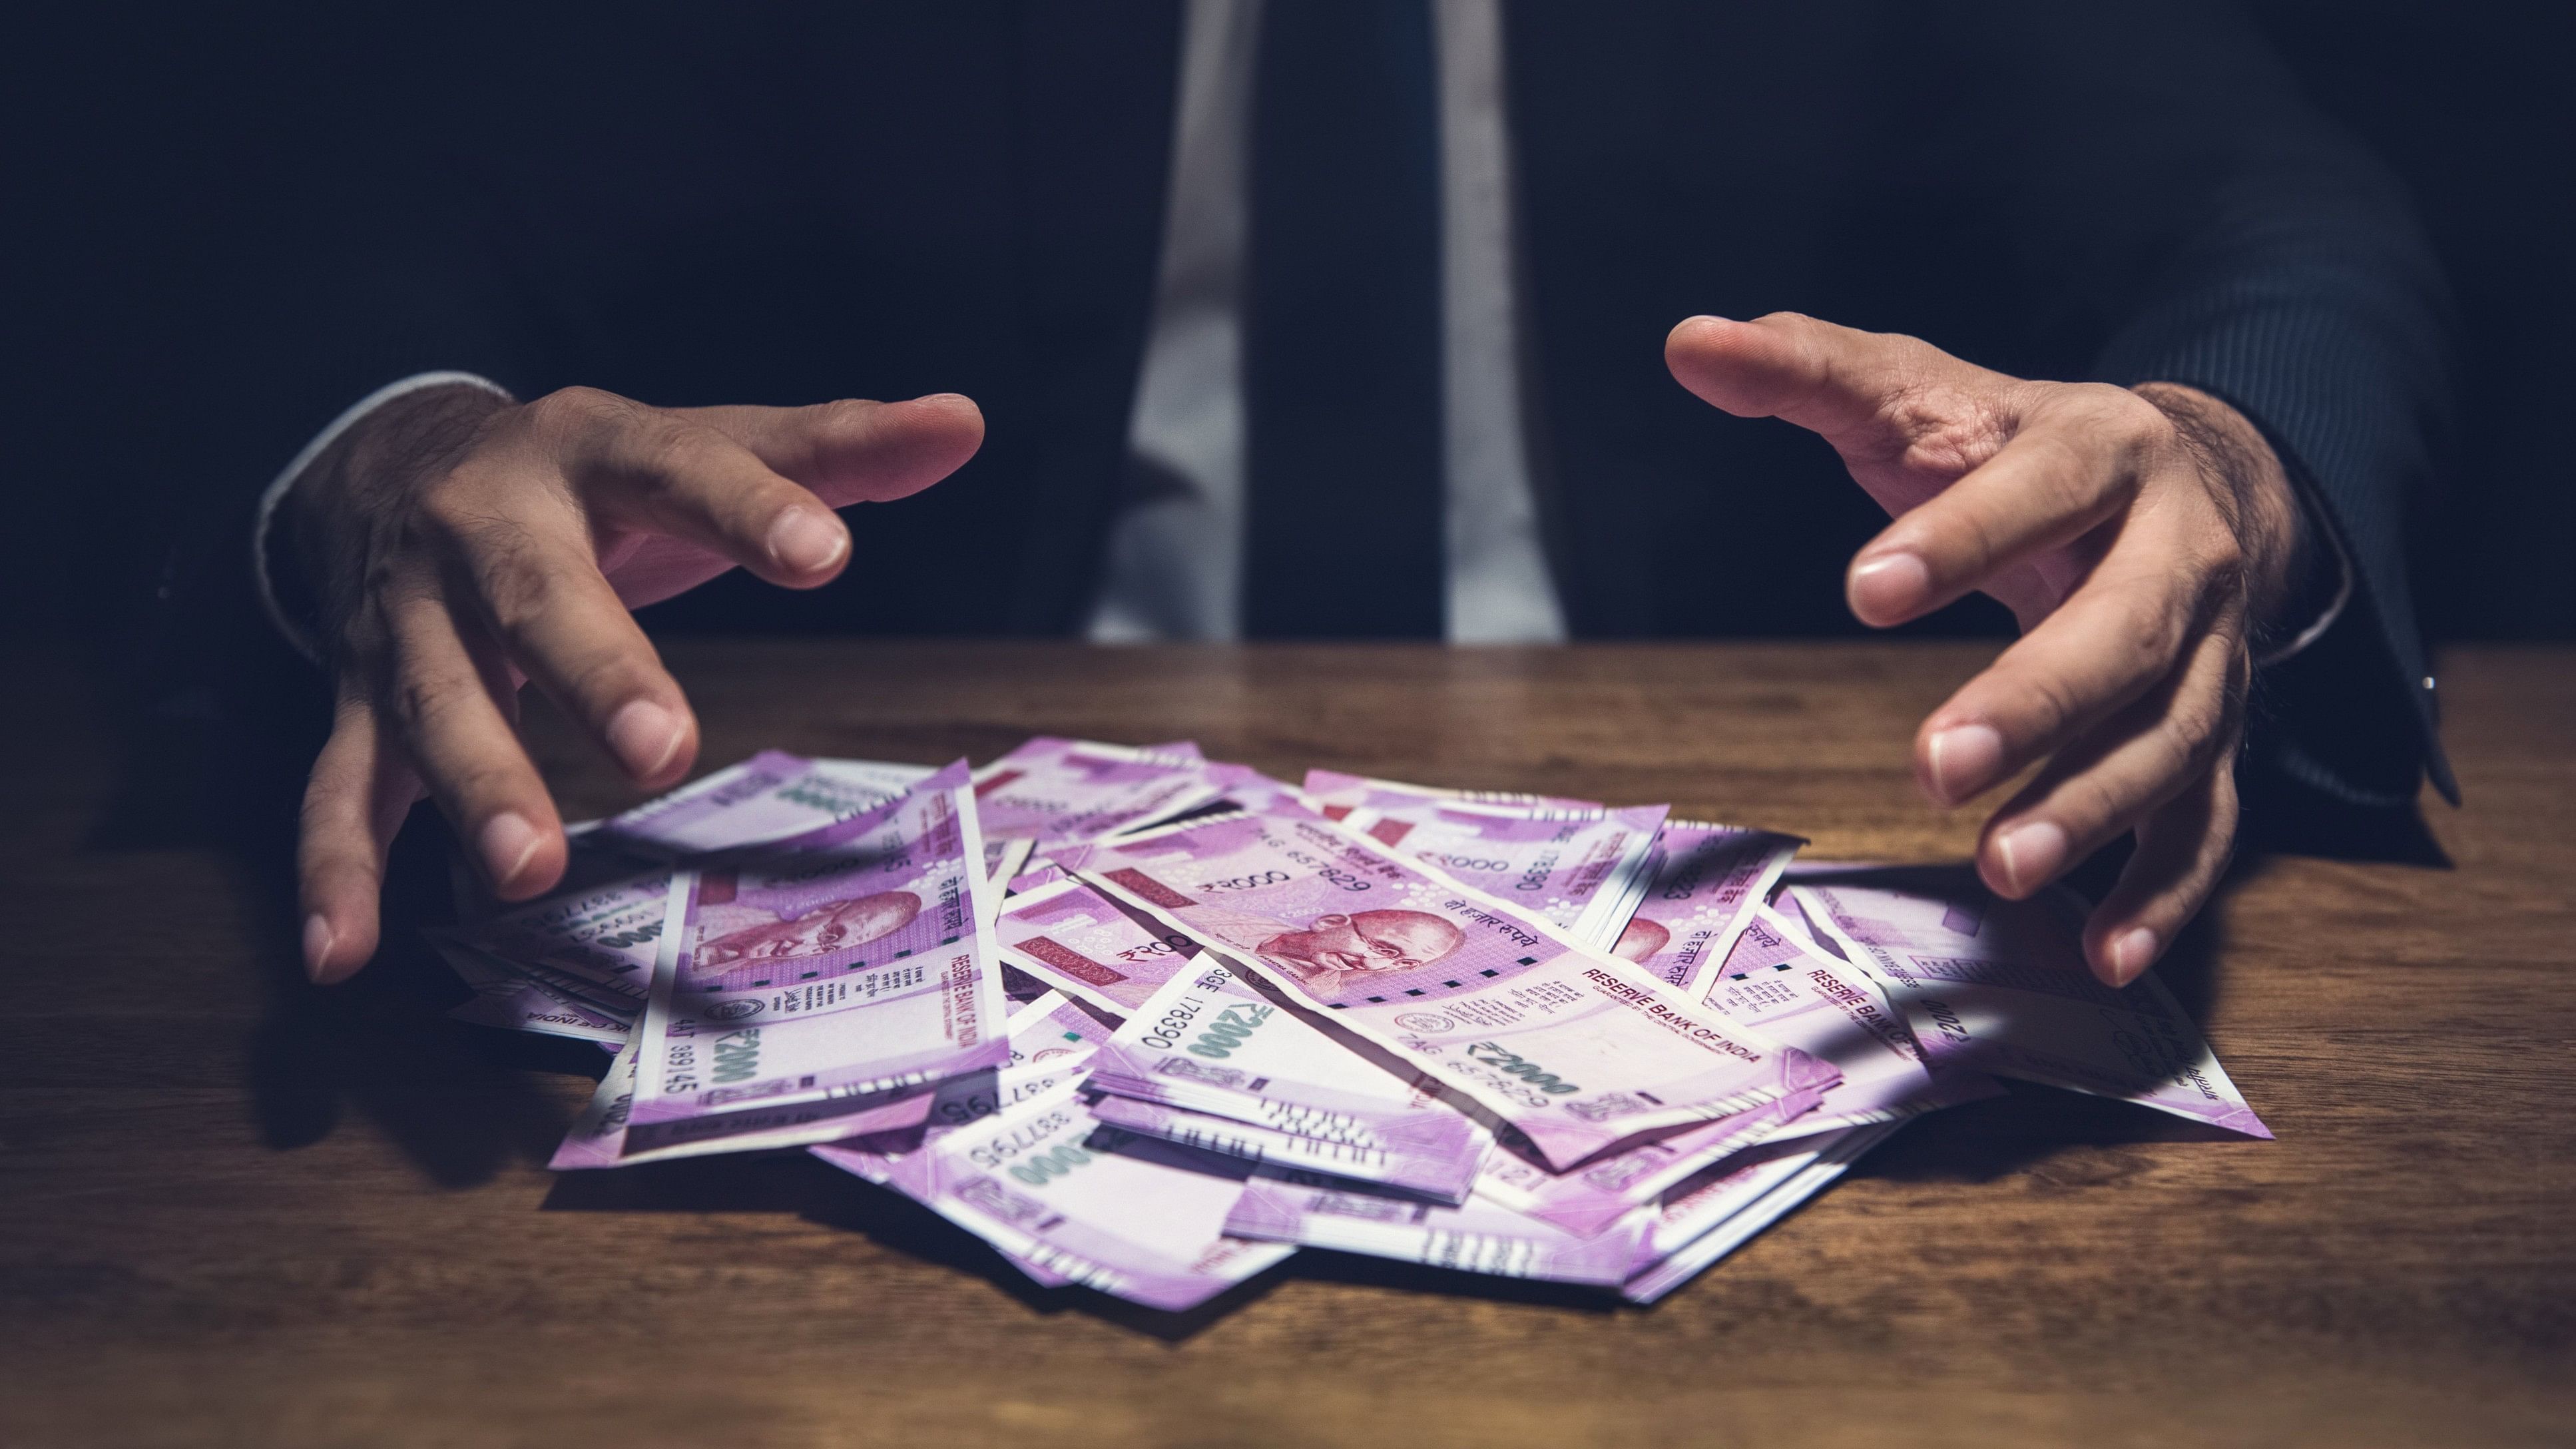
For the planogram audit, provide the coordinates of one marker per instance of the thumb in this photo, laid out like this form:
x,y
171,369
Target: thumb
x,y
1839,382
858,452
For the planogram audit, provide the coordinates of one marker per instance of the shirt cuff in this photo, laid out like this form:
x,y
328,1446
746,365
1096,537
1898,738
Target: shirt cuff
x,y
262,579
2321,528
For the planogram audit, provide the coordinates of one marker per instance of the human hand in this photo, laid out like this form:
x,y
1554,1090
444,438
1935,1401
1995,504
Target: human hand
x,y
459,545
2141,537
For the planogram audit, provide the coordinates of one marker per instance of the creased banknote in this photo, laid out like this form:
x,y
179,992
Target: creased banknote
x,y
1058,792
1130,1216
1446,1178
604,1135
1051,1039
1339,794
515,1001
2001,986
1479,1236
1595,1195
856,968
604,938
1574,1048
1583,871
1213,1042
1777,979
770,798
1069,935
1738,1204
1706,882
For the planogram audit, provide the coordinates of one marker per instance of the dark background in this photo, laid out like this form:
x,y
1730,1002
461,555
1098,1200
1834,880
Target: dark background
x,y
169,173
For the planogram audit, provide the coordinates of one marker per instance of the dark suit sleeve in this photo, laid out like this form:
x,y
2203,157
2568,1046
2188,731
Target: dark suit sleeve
x,y
2172,182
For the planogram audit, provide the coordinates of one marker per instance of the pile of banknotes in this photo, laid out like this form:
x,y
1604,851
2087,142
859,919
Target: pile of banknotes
x,y
1149,1023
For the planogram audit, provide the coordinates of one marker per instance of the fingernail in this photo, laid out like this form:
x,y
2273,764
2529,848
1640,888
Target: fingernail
x,y
645,736
318,940
1964,760
508,840
2032,854
2132,954
805,540
1888,587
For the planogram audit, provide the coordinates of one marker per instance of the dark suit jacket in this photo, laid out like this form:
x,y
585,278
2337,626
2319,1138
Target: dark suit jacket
x,y
796,204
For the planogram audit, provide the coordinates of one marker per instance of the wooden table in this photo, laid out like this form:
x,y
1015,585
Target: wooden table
x,y
241,1211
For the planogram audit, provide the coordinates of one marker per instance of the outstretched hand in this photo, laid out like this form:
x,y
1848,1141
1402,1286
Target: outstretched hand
x,y
459,545
2142,537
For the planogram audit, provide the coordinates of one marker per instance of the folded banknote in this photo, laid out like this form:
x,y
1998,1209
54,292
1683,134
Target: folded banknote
x,y
1574,1048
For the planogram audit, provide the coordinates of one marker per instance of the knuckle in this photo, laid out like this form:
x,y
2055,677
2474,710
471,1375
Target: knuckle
x,y
570,410
605,678
843,421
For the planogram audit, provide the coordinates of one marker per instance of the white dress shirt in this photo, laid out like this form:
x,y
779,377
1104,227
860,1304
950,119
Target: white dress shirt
x,y
1175,564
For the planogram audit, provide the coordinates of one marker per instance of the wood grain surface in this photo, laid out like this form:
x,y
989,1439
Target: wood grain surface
x,y
242,1211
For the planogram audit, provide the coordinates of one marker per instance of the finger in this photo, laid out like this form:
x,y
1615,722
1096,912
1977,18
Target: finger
x,y
540,593
355,801
2111,642
858,452
449,718
665,473
2109,780
2182,850
2065,472
1836,381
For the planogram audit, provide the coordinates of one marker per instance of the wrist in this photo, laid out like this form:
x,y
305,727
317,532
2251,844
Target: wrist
x,y
2275,538
323,515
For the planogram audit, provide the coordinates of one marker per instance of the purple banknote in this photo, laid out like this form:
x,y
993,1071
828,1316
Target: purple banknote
x,y
1574,1048
1047,1184
1706,882
1583,871
772,797
855,968
2000,986
1072,937
1213,1042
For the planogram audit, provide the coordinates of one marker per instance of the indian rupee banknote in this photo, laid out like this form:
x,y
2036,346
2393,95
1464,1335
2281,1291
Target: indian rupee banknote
x,y
1991,985
1705,884
1583,871
1047,1184
1212,1042
1066,933
847,970
1574,1048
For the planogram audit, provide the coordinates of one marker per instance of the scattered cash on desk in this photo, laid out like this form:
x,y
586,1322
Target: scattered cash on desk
x,y
1148,1023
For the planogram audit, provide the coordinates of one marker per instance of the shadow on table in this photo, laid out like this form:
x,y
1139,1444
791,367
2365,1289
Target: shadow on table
x,y
807,1187
460,1102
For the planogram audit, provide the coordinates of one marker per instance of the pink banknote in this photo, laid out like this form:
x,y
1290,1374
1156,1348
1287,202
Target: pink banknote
x,y
1056,792
1777,979
1600,1193
1574,1048
516,1001
1047,1184
1583,871
1213,1042
604,937
1706,883
1703,1221
847,970
1444,1176
604,1135
1340,794
1069,935
1478,1236
1052,1040
2001,986
771,797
